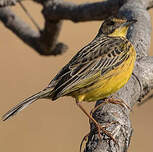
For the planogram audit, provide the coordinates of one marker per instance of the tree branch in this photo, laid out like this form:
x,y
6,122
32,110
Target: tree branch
x,y
58,10
19,27
49,38
44,42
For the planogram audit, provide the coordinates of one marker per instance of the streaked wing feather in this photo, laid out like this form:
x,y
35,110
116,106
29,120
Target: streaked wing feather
x,y
99,55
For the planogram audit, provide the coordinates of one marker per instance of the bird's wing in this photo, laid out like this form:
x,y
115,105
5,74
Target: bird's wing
x,y
99,56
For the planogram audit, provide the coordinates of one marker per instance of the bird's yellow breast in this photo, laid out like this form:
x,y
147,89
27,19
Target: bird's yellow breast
x,y
110,82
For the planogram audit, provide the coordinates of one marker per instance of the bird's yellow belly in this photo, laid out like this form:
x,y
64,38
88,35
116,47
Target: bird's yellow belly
x,y
108,84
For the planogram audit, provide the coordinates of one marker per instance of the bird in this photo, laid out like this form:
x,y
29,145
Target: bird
x,y
97,71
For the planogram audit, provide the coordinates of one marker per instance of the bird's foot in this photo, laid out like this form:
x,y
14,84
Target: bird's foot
x,y
118,101
113,101
103,129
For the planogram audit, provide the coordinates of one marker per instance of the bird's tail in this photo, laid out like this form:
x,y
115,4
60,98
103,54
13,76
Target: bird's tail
x,y
42,94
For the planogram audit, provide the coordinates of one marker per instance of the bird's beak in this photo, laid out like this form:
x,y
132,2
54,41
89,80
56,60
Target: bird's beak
x,y
130,22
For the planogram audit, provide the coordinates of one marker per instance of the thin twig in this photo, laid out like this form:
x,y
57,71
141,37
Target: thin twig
x,y
29,15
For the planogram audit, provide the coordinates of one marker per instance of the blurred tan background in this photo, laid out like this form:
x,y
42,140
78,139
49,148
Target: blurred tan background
x,y
51,126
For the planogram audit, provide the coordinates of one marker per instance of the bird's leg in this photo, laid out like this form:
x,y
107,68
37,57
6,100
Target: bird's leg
x,y
97,107
99,127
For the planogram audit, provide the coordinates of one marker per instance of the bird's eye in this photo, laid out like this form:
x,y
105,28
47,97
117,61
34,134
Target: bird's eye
x,y
111,23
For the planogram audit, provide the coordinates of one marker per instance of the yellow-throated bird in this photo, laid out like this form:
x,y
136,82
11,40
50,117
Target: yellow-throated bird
x,y
95,72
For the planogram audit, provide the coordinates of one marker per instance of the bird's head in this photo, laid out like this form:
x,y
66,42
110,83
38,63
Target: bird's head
x,y
116,26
